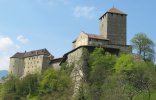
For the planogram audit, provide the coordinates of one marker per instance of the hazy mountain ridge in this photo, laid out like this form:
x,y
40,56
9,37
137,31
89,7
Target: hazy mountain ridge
x,y
3,73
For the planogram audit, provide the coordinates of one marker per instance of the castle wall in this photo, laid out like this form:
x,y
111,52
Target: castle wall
x,y
113,27
16,66
33,64
117,29
82,40
103,26
122,48
45,63
56,65
77,72
74,56
97,42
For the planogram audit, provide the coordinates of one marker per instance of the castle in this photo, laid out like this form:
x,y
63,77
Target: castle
x,y
112,38
31,62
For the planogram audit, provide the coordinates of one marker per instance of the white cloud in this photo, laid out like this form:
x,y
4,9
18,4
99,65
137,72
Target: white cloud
x,y
7,44
7,48
84,11
22,39
4,62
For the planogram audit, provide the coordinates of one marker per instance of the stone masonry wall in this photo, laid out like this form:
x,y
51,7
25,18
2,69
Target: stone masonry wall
x,y
82,40
16,66
77,73
113,27
103,26
33,64
116,29
122,48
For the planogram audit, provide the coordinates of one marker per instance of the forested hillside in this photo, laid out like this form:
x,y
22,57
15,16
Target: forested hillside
x,y
107,77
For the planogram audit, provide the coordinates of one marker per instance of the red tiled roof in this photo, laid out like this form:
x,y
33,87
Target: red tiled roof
x,y
93,36
114,10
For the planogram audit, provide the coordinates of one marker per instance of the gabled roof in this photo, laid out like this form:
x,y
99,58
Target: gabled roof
x,y
18,55
37,52
93,36
32,53
114,10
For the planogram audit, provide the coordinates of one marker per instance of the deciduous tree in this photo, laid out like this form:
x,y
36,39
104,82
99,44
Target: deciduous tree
x,y
144,46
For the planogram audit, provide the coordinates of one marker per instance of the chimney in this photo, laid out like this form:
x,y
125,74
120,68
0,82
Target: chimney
x,y
36,52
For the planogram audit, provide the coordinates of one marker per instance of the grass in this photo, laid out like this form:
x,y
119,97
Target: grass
x,y
0,91
145,96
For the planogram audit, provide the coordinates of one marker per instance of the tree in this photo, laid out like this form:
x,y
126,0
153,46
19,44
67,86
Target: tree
x,y
101,66
144,46
135,77
9,89
55,84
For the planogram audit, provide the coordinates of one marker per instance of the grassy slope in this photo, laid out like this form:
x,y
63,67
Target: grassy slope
x,y
0,91
145,96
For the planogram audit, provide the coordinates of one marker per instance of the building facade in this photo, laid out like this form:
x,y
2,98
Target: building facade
x,y
22,64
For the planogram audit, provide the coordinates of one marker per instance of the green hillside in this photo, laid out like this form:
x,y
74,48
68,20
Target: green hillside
x,y
0,90
106,77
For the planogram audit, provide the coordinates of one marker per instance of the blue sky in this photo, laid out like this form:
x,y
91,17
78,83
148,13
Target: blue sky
x,y
54,24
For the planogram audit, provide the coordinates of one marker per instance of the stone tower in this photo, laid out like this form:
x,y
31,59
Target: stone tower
x,y
113,26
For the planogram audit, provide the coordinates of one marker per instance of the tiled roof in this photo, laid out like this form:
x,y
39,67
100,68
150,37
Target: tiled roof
x,y
93,36
18,55
56,60
114,10
31,53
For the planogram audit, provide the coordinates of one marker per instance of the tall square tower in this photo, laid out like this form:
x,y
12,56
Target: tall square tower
x,y
113,26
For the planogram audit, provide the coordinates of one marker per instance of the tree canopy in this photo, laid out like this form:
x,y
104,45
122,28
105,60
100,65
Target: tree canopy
x,y
144,46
